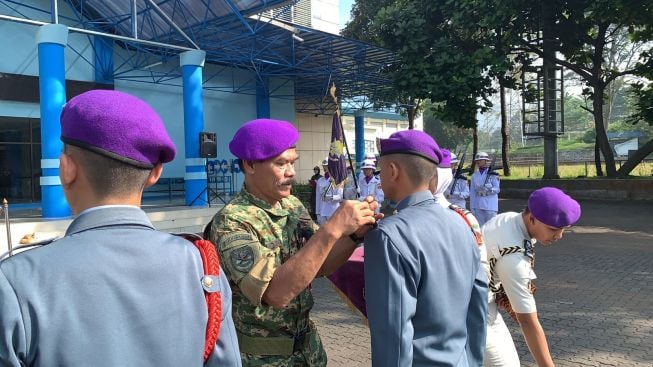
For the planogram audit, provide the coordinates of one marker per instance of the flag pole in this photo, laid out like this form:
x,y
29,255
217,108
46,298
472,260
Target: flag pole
x,y
332,92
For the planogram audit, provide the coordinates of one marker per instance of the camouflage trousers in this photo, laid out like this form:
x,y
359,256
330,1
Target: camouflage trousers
x,y
312,355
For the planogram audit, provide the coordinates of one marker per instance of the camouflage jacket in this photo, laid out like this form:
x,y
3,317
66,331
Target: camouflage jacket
x,y
246,230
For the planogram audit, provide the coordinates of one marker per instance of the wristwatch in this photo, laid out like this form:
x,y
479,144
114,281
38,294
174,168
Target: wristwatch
x,y
357,240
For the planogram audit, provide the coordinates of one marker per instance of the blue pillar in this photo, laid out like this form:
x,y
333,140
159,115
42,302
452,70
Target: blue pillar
x,y
103,48
195,178
51,40
262,98
359,128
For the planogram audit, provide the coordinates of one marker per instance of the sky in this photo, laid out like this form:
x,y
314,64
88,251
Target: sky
x,y
345,8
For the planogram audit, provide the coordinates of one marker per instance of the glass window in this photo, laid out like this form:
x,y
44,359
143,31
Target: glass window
x,y
20,159
15,130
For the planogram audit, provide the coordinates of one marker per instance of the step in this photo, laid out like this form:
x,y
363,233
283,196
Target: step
x,y
168,219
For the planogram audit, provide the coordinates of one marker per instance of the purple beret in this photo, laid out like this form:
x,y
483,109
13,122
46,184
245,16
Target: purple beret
x,y
117,125
262,139
412,142
446,158
553,207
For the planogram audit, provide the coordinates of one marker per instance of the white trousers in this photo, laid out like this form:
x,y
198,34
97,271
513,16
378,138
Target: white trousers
x,y
483,215
499,349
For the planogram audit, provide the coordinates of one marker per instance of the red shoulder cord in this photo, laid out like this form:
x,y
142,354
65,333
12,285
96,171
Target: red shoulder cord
x,y
461,212
211,264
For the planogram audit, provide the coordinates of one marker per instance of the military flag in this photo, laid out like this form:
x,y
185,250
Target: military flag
x,y
337,166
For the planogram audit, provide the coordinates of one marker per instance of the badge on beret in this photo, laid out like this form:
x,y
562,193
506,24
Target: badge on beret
x,y
242,259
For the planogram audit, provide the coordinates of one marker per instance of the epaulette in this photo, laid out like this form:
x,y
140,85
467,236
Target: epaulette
x,y
8,254
495,173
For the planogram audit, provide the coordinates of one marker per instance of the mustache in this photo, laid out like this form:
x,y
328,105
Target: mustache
x,y
291,181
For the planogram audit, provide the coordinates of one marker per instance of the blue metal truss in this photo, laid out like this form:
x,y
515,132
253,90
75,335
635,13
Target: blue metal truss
x,y
235,37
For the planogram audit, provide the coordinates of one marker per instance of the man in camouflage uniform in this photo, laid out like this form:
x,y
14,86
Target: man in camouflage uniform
x,y
271,249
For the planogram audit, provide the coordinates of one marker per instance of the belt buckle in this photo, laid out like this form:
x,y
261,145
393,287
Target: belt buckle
x,y
299,339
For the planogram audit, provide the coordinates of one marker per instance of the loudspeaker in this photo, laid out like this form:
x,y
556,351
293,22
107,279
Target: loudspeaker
x,y
208,145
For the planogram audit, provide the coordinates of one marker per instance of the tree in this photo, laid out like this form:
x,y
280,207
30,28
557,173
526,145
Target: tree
x,y
643,93
505,140
407,101
577,116
584,32
431,60
452,50
361,18
446,134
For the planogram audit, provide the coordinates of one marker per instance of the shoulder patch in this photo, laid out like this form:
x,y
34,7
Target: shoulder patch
x,y
232,237
242,259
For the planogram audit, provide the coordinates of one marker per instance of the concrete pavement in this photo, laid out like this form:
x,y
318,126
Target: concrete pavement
x,y
595,294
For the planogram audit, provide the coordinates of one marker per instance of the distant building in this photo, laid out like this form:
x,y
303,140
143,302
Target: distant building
x,y
315,132
322,15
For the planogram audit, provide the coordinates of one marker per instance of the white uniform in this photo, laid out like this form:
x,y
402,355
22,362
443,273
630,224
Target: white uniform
x,y
350,188
484,197
372,188
460,192
328,199
514,271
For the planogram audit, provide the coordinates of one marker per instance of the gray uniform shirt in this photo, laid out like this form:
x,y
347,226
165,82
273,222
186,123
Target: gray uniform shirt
x,y
112,292
425,290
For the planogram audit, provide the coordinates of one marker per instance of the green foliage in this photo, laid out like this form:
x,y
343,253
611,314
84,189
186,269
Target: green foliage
x,y
563,145
577,118
450,51
446,134
303,193
643,104
361,18
571,170
589,137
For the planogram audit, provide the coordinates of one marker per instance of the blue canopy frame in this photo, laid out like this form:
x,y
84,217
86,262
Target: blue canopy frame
x,y
236,34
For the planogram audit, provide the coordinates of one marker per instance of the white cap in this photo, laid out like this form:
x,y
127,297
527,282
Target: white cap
x,y
454,158
325,162
480,156
368,163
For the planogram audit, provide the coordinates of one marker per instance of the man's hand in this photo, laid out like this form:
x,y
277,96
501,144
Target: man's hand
x,y
351,215
360,232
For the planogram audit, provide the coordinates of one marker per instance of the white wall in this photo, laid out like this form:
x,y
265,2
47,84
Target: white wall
x,y
315,137
325,15
21,40
224,111
313,145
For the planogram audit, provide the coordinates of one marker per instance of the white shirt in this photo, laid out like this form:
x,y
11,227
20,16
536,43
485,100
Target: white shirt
x,y
460,192
350,188
514,270
482,197
329,197
372,188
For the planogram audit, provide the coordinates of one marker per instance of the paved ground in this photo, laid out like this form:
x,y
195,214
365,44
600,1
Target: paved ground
x,y
595,294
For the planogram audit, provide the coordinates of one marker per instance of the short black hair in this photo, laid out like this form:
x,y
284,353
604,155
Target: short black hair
x,y
109,177
418,169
